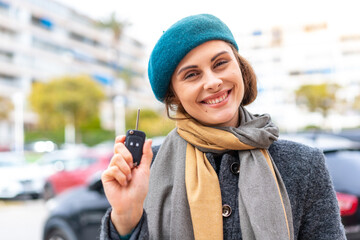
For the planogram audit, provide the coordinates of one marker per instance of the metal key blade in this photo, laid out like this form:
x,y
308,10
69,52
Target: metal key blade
x,y
137,119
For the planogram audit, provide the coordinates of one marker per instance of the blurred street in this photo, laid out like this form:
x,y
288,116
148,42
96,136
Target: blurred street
x,y
73,76
22,219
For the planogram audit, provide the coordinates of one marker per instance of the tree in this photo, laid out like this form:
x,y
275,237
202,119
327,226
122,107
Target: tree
x,y
356,104
6,106
66,101
151,122
117,27
317,98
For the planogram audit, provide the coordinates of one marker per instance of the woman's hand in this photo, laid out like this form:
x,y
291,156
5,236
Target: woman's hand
x,y
126,187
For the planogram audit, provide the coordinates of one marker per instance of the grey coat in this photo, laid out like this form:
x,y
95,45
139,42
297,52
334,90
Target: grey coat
x,y
312,196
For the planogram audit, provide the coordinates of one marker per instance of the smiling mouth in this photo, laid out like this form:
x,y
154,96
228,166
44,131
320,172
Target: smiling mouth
x,y
218,99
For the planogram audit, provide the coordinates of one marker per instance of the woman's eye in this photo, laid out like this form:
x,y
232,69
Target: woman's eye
x,y
219,63
190,75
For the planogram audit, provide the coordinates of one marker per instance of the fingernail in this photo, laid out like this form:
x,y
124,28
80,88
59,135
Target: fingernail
x,y
129,177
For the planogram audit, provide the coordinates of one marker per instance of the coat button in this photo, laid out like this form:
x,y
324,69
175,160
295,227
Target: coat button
x,y
226,210
235,168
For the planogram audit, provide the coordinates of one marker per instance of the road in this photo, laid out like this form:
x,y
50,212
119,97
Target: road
x,y
22,219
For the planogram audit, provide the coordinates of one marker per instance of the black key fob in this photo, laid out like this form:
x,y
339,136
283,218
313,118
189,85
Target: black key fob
x,y
135,141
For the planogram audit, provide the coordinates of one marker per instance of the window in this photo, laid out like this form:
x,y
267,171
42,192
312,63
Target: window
x,y
351,52
346,38
7,77
257,33
6,56
7,34
42,22
48,46
83,39
315,27
312,71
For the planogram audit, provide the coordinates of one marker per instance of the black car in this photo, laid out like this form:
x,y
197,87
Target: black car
x,y
76,215
344,168
343,162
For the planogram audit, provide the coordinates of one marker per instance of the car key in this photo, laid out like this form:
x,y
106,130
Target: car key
x,y
135,141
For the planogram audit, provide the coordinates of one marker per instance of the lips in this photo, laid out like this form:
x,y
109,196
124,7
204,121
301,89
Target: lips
x,y
218,98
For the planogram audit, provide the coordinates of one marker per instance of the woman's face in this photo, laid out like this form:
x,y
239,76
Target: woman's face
x,y
209,84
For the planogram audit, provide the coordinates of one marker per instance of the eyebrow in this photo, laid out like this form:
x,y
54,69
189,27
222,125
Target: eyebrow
x,y
194,66
220,53
185,68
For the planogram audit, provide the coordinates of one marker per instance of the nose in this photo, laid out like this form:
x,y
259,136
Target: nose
x,y
212,82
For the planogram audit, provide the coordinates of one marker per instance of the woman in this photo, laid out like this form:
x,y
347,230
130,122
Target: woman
x,y
221,174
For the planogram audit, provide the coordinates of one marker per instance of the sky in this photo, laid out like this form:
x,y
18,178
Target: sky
x,y
149,18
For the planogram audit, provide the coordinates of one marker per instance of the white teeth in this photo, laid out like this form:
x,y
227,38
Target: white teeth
x,y
217,100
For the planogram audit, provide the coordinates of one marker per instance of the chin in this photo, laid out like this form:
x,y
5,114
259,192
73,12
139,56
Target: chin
x,y
224,119
218,122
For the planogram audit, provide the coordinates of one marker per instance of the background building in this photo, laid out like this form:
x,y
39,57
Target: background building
x,y
42,39
288,56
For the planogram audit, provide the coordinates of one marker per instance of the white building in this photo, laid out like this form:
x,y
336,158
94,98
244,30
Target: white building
x,y
42,39
288,56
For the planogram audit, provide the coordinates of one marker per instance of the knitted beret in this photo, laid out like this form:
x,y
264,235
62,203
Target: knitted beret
x,y
177,41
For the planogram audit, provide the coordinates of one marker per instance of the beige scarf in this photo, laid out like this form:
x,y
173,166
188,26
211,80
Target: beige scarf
x,y
203,189
184,198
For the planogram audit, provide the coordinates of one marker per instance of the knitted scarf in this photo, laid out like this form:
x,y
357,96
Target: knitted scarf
x,y
184,200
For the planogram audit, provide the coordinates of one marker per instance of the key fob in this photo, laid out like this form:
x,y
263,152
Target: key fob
x,y
134,142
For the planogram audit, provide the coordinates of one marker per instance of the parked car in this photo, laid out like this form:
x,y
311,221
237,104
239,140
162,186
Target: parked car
x,y
343,162
77,213
344,168
17,179
76,172
352,134
49,164
9,159
342,158
21,179
325,141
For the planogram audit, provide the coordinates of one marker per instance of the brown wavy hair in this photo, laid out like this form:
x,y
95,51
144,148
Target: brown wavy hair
x,y
172,102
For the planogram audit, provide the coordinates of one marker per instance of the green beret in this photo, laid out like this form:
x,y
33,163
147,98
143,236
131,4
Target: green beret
x,y
177,41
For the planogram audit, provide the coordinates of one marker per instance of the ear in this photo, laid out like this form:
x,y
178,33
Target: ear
x,y
172,95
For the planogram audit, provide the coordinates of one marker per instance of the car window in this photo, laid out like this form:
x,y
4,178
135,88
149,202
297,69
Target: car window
x,y
79,163
48,160
10,159
8,164
89,160
344,168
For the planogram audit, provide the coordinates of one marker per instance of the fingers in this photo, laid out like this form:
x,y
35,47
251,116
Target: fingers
x,y
112,173
120,139
123,161
122,150
122,155
147,154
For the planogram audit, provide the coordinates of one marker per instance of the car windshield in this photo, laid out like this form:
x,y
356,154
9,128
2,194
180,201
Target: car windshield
x,y
78,163
323,141
8,164
10,159
344,168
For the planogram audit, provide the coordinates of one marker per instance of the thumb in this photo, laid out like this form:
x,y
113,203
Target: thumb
x,y
147,154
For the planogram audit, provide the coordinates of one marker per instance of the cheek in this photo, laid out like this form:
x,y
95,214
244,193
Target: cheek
x,y
240,79
185,94
240,86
